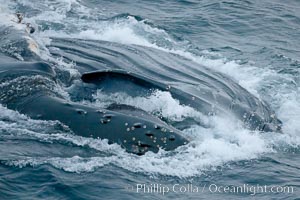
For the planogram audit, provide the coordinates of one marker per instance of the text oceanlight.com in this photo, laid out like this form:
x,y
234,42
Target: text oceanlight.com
x,y
210,188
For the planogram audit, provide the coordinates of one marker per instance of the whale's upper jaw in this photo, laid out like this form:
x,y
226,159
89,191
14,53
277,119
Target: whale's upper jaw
x,y
115,80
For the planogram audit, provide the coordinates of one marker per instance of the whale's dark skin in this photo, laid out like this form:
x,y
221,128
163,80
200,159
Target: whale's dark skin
x,y
29,87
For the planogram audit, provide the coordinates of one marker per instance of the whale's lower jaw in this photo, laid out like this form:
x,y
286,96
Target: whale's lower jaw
x,y
133,129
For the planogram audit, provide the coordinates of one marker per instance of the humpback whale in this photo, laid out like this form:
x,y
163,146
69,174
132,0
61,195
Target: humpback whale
x,y
29,87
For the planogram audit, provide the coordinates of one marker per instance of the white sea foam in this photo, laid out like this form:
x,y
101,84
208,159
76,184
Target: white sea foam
x,y
159,102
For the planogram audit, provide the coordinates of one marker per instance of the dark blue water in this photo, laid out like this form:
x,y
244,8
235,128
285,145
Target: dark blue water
x,y
256,43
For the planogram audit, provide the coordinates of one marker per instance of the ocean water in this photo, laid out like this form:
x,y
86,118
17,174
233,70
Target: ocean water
x,y
256,43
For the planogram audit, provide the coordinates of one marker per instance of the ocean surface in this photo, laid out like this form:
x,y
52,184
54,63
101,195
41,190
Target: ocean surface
x,y
255,43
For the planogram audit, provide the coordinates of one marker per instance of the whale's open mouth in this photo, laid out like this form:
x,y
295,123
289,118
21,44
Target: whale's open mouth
x,y
30,87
